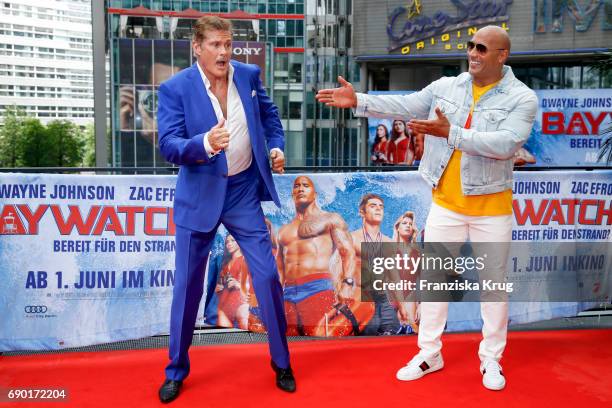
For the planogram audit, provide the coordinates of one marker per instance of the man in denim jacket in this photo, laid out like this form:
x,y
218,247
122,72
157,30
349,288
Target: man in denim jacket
x,y
475,122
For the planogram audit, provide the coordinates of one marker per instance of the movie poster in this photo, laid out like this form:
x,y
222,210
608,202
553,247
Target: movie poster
x,y
90,259
567,132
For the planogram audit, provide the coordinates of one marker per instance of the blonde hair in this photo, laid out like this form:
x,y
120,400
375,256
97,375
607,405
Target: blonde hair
x,y
210,23
415,231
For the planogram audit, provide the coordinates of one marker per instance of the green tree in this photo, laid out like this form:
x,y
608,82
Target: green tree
x,y
38,149
66,144
88,137
11,137
26,142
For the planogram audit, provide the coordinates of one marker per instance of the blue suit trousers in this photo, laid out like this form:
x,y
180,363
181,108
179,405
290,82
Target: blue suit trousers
x,y
243,217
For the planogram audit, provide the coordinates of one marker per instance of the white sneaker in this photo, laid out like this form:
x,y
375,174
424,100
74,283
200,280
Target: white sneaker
x,y
492,375
419,366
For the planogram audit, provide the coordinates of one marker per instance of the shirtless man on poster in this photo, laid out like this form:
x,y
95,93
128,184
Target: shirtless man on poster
x,y
316,300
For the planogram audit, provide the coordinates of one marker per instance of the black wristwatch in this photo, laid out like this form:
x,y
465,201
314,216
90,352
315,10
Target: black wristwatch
x,y
349,281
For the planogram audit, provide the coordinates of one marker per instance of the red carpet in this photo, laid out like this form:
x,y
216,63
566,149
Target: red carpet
x,y
545,368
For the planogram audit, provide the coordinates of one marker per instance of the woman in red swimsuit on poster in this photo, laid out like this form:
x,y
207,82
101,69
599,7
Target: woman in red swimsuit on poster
x,y
381,144
233,307
400,150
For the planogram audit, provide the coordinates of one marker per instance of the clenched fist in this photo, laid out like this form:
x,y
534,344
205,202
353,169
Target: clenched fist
x,y
218,137
278,161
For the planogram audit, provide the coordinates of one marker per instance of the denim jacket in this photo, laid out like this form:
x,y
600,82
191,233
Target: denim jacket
x,y
501,123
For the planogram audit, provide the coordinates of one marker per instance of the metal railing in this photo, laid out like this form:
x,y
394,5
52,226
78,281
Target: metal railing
x,y
291,169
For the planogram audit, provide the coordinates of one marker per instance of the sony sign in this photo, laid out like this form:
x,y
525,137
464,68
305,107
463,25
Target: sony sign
x,y
251,52
247,50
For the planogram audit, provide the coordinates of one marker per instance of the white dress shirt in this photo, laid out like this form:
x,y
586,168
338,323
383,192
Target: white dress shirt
x,y
238,152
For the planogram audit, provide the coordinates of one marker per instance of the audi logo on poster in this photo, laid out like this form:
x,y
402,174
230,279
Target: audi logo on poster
x,y
35,309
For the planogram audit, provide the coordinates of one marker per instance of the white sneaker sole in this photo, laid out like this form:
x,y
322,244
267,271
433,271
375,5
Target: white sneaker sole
x,y
494,387
403,374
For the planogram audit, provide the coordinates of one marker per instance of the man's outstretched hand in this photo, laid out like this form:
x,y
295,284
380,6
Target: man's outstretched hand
x,y
342,97
440,126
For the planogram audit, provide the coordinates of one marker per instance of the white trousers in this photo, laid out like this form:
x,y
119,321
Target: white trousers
x,y
448,226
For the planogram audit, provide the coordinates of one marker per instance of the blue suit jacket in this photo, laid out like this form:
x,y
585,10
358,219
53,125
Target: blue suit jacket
x,y
185,114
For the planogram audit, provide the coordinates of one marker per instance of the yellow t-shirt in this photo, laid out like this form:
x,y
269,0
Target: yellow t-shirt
x,y
449,193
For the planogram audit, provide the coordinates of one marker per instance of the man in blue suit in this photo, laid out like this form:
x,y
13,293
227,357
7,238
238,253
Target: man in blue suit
x,y
216,121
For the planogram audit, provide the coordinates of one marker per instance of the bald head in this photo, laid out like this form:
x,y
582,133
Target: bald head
x,y
487,53
304,192
496,34
304,179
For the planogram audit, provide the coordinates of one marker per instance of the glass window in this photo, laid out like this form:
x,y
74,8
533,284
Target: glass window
x,y
143,61
560,77
341,61
115,27
295,63
329,69
141,27
295,110
354,155
125,149
310,105
573,77
281,28
281,100
180,5
325,147
184,29
355,71
281,61
325,111
590,78
126,63
606,79
349,34
290,27
145,149
555,76
181,57
244,30
310,146
162,67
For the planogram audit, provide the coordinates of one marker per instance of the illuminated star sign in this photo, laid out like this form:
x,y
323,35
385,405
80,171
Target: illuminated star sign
x,y
414,8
